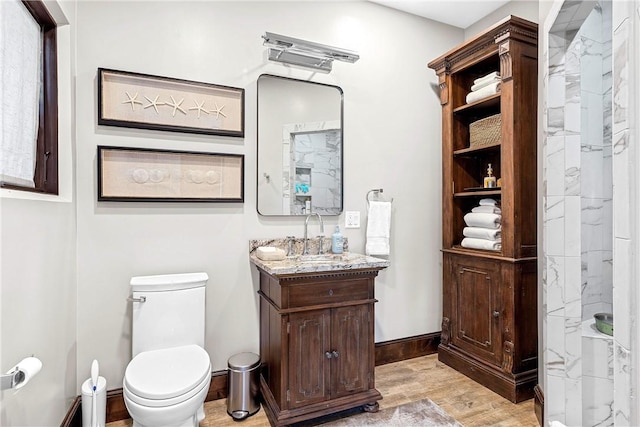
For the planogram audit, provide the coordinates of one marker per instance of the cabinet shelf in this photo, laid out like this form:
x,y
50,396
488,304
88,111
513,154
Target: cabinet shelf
x,y
484,106
461,249
470,151
492,192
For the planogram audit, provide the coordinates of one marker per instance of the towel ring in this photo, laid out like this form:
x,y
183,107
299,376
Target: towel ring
x,y
375,195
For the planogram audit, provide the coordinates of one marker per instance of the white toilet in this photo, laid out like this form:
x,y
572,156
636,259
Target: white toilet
x,y
167,381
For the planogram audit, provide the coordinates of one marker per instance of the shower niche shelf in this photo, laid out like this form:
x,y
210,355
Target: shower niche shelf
x,y
489,318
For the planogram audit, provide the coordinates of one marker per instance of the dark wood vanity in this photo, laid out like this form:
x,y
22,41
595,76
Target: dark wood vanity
x,y
317,342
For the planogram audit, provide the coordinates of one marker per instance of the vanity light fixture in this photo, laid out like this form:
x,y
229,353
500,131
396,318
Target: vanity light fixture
x,y
294,51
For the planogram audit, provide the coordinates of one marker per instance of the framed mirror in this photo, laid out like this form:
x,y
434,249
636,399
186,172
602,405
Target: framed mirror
x,y
300,150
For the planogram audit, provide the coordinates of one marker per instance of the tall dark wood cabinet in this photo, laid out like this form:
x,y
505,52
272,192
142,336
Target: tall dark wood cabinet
x,y
489,324
317,344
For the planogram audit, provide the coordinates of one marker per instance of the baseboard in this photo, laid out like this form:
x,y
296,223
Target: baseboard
x,y
406,348
385,352
74,415
514,387
538,403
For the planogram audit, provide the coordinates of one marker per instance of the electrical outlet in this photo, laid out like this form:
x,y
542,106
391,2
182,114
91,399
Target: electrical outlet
x,y
352,219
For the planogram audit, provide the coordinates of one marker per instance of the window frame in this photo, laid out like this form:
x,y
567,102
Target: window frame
x,y
46,169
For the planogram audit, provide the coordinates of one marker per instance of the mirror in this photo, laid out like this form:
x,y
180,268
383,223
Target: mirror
x,y
299,147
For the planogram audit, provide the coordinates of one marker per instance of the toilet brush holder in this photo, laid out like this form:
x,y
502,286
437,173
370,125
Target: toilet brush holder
x,y
94,413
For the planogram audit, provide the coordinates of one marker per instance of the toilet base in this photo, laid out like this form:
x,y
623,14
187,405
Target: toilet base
x,y
188,413
192,421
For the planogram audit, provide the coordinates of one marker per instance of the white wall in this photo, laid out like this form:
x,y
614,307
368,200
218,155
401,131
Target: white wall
x,y
392,140
38,271
526,9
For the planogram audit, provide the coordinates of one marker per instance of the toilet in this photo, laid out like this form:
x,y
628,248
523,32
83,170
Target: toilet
x,y
167,381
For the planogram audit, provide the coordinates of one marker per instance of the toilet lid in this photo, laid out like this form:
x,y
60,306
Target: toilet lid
x,y
166,373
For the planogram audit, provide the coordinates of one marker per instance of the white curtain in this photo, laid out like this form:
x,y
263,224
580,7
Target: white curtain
x,y
20,84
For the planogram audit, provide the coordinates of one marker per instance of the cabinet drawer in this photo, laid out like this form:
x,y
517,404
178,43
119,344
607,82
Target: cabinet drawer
x,y
328,292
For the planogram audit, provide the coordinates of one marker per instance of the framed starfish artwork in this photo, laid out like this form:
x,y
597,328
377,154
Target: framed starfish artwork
x,y
143,101
127,174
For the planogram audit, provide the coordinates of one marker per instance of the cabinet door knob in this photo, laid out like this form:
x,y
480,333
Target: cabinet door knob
x,y
328,355
496,313
335,354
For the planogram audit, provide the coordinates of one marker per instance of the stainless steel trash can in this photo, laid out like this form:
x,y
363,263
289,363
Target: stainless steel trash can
x,y
244,385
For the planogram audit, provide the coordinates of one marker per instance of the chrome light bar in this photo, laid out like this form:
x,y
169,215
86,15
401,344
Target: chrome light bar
x,y
304,53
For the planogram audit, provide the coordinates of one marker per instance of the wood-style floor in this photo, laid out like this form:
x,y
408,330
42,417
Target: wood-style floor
x,y
411,380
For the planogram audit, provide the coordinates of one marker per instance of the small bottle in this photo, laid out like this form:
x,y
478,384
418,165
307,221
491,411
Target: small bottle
x,y
337,241
489,180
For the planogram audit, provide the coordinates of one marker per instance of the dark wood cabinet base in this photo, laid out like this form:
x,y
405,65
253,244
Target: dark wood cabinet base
x,y
278,417
515,388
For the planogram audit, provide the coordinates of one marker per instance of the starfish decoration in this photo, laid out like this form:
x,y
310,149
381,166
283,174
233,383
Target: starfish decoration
x,y
154,103
176,106
199,107
132,100
218,111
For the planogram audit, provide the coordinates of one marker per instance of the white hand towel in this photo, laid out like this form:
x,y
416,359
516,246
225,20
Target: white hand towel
x,y
488,202
378,228
470,242
488,90
487,209
487,77
484,83
484,220
493,234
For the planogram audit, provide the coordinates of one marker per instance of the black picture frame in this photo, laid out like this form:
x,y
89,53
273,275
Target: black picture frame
x,y
143,101
130,174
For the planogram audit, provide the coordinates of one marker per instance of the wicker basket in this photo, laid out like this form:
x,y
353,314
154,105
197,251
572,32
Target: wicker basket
x,y
485,131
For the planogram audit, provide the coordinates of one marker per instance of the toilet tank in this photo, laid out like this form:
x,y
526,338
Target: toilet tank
x,y
172,314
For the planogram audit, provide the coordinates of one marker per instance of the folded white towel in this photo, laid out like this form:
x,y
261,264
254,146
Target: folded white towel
x,y
378,228
487,209
483,83
488,90
489,76
470,242
484,220
488,202
493,234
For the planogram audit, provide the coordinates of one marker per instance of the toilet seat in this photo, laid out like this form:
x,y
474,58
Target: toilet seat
x,y
167,376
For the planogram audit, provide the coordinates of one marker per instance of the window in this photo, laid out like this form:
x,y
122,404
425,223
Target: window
x,y
29,97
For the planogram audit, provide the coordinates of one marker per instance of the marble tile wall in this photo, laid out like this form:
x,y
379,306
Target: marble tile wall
x,y
595,191
586,128
311,155
625,51
597,375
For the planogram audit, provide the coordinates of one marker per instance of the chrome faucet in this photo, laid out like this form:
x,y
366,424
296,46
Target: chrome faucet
x,y
306,240
291,240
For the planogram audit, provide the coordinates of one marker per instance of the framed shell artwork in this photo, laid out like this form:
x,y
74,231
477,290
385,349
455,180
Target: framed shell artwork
x,y
149,175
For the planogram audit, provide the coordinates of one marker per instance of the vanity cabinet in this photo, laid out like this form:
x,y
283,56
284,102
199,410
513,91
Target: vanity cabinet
x,y
489,317
317,344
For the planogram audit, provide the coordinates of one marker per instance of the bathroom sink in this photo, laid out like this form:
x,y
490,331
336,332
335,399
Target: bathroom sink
x,y
312,263
321,258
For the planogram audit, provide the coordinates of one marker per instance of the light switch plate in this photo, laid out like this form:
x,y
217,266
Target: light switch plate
x,y
352,219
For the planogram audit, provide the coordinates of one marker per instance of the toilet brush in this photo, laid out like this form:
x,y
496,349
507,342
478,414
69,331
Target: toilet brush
x,y
94,387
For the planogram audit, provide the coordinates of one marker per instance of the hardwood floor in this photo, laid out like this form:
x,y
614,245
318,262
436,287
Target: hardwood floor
x,y
410,380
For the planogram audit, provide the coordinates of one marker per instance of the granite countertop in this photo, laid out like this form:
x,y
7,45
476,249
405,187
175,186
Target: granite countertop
x,y
299,264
